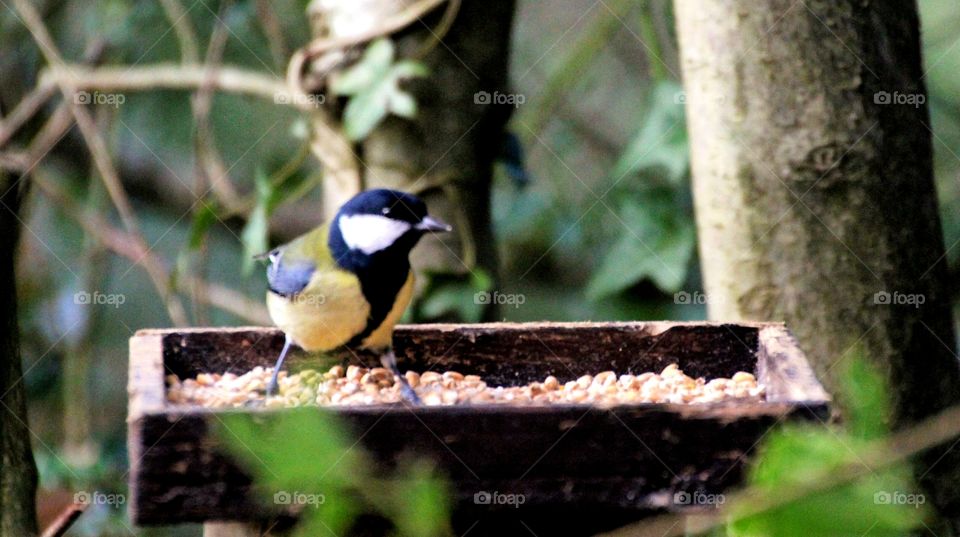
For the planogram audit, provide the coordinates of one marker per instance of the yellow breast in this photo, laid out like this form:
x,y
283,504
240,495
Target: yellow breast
x,y
332,310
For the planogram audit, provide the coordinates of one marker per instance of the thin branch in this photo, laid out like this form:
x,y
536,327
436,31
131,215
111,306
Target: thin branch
x,y
273,31
209,160
186,36
64,520
25,109
121,243
174,76
387,25
30,104
101,157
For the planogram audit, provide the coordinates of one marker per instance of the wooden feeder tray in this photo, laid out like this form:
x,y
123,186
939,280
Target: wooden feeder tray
x,y
572,462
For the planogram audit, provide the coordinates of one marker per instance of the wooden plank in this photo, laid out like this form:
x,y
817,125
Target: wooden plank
x,y
145,392
784,370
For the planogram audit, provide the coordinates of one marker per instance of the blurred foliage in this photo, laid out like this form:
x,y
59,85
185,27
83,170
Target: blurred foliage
x,y
800,455
309,454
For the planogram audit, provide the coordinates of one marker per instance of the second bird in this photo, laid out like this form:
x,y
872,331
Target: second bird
x,y
348,282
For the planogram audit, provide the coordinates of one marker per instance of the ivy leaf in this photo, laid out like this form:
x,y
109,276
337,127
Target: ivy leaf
x,y
662,140
203,218
373,85
254,236
454,295
657,244
372,66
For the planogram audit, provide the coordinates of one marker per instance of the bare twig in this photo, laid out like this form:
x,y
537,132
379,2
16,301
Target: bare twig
x,y
437,34
64,520
273,31
210,169
174,76
119,242
208,159
25,109
186,36
39,96
388,25
101,157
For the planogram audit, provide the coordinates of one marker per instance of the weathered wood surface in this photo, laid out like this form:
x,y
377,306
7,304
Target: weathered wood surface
x,y
568,460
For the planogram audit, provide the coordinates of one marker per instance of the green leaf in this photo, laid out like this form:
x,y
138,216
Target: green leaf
x,y
423,502
446,296
410,69
885,502
403,104
863,396
373,85
308,453
364,112
655,244
254,236
203,218
662,140
372,67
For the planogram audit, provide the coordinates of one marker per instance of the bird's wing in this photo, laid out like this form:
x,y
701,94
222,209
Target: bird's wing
x,y
293,265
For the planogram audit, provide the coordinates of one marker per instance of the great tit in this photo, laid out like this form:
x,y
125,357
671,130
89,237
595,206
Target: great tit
x,y
348,282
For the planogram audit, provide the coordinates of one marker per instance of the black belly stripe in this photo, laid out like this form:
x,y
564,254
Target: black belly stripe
x,y
380,288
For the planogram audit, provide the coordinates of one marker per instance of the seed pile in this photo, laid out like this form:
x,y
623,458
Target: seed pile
x,y
361,386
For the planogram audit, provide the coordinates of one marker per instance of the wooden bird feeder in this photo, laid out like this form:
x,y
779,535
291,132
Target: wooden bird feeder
x,y
570,461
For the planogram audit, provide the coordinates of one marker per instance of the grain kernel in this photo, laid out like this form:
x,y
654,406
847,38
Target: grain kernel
x,y
743,376
605,378
413,378
551,383
429,377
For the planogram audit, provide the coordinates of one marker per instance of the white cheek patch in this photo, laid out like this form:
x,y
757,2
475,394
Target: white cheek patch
x,y
371,233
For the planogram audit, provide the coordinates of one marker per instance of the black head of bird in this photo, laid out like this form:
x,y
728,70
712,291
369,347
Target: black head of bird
x,y
379,226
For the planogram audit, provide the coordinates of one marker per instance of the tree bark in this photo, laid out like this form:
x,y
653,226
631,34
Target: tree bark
x,y
813,194
18,473
446,154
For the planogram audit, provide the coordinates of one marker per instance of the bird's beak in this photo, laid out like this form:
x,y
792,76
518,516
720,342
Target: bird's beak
x,y
430,223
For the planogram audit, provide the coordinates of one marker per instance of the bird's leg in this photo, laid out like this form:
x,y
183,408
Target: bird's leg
x,y
274,387
389,361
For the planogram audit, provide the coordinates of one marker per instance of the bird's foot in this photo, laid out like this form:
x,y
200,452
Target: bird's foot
x,y
273,388
408,392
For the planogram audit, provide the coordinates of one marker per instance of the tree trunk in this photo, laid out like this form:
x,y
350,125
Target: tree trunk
x,y
446,154
814,191
18,474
